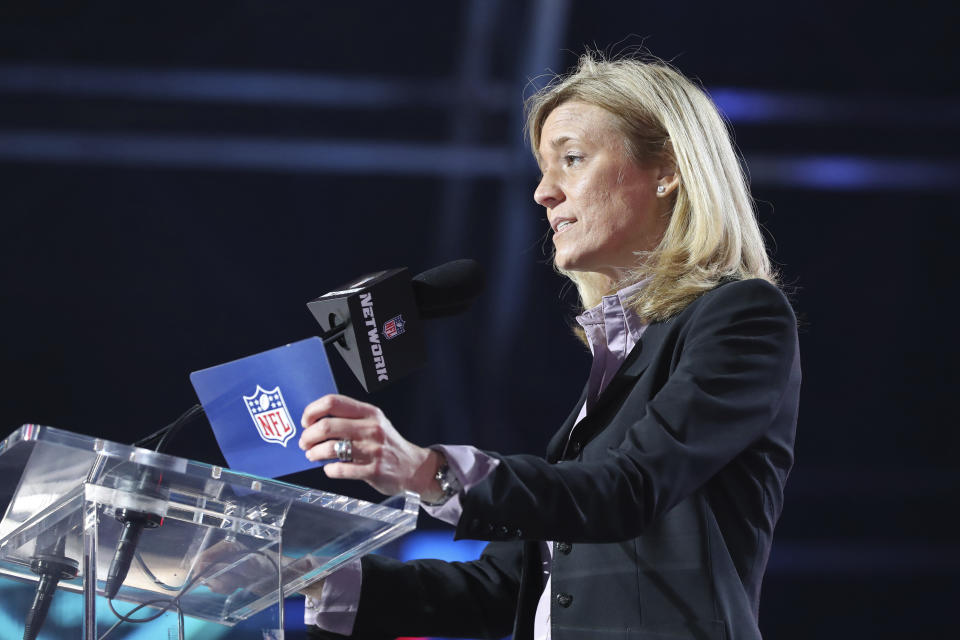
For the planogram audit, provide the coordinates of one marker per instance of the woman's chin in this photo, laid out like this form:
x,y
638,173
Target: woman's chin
x,y
565,259
564,264
571,263
600,277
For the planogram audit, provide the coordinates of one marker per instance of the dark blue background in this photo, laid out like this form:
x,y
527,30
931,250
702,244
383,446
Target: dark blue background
x,y
177,181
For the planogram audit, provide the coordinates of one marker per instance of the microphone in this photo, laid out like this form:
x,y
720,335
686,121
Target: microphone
x,y
375,321
135,519
52,566
449,289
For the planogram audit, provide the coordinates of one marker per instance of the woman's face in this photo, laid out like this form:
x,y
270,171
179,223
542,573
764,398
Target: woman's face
x,y
602,206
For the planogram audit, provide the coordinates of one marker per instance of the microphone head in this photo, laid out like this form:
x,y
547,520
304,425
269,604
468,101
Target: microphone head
x,y
383,338
448,289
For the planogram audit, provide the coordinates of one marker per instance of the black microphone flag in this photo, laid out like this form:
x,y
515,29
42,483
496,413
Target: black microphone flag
x,y
378,317
384,340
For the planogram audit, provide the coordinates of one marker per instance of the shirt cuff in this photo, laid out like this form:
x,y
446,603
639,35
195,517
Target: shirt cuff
x,y
471,466
336,608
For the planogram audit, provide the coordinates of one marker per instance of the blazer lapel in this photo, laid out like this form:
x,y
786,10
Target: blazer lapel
x,y
559,439
632,368
633,365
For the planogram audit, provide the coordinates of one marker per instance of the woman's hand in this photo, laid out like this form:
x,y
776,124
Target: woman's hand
x,y
247,568
314,589
381,456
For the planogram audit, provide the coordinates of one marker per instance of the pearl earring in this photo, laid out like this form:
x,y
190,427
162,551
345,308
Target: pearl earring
x,y
661,189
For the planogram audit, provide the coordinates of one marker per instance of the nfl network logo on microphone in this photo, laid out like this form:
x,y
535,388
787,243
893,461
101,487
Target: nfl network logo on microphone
x,y
270,416
394,327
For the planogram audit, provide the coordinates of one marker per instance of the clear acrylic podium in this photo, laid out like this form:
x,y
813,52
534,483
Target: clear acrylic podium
x,y
229,548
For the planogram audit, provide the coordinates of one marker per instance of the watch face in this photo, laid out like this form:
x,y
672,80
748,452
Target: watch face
x,y
449,483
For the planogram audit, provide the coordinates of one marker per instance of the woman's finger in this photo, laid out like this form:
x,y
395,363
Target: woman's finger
x,y
336,405
338,428
351,471
220,552
363,451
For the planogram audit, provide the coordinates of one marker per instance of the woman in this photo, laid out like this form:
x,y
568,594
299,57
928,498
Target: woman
x,y
653,512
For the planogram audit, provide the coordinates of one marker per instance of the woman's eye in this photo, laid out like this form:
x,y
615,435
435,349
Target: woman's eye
x,y
571,159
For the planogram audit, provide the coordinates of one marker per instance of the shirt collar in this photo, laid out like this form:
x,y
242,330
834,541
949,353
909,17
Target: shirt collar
x,y
594,315
613,307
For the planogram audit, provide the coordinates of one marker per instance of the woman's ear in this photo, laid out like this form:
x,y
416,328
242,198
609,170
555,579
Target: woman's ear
x,y
667,181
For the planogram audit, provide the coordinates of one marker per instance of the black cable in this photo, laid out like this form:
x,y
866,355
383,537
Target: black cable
x,y
168,604
146,440
168,431
188,415
157,581
125,618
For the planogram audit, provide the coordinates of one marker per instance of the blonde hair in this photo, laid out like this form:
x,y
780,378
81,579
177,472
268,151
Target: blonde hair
x,y
713,232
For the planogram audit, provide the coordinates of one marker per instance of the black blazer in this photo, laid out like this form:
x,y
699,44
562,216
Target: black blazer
x,y
661,503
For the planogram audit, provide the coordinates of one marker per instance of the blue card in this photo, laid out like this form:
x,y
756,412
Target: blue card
x,y
254,405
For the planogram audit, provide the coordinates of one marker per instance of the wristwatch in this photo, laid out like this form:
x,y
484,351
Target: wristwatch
x,y
448,481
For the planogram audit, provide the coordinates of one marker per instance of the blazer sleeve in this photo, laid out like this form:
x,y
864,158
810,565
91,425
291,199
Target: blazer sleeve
x,y
475,599
734,362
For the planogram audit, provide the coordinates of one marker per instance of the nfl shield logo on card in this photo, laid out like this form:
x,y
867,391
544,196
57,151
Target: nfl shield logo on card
x,y
270,415
393,327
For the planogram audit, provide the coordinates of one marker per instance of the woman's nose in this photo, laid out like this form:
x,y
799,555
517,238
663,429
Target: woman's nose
x,y
548,194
